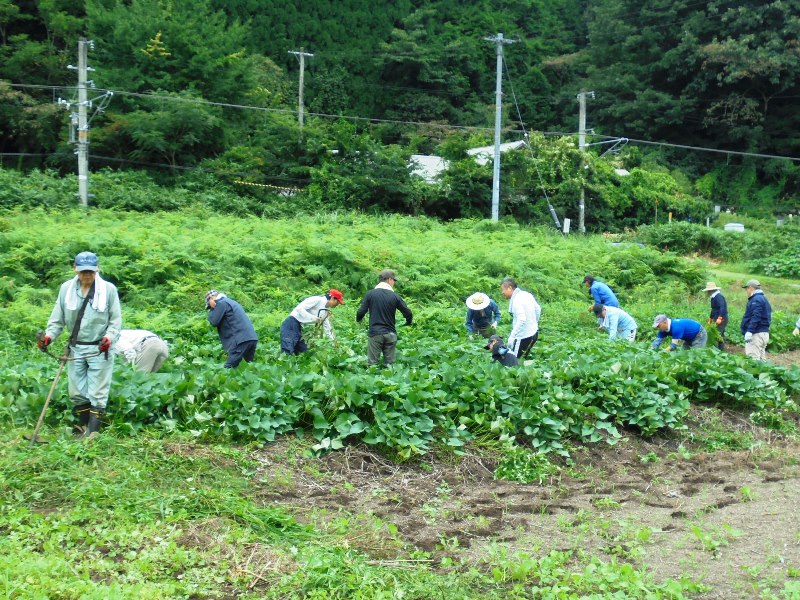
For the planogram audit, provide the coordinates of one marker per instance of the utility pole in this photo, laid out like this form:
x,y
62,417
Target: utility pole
x,y
499,41
302,56
81,119
83,124
582,147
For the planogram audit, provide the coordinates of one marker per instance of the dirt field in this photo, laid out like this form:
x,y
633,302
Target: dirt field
x,y
727,519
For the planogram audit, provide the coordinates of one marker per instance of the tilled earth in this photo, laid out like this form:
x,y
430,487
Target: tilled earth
x,y
726,519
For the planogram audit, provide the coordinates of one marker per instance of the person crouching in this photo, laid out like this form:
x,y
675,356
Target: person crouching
x,y
500,353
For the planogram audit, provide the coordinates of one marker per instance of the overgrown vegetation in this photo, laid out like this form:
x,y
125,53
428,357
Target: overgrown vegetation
x,y
210,86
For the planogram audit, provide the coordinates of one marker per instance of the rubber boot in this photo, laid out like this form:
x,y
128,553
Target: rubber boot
x,y
81,412
95,421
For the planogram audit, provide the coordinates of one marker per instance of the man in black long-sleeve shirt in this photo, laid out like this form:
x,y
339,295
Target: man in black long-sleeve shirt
x,y
719,311
382,302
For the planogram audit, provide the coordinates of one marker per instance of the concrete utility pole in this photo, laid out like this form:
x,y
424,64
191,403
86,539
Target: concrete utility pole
x,y
582,147
81,119
302,56
499,41
83,124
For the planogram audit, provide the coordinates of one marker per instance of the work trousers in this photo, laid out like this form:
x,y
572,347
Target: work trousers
x,y
245,350
629,335
385,343
89,376
721,329
292,341
698,341
520,348
757,346
151,355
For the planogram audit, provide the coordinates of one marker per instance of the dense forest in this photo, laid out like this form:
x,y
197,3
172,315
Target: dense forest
x,y
206,93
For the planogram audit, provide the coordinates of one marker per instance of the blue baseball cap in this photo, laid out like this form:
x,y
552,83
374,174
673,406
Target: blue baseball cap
x,y
86,261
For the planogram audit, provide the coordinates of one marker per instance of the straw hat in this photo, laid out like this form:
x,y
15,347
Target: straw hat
x,y
478,301
711,286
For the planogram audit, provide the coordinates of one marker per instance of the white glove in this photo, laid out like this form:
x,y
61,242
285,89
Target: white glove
x,y
472,337
748,336
494,326
796,331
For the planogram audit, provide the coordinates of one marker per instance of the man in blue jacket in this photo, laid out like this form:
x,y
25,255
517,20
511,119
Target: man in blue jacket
x,y
483,315
690,332
236,332
756,321
601,293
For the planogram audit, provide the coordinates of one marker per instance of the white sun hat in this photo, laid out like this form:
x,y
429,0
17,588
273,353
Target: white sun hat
x,y
478,301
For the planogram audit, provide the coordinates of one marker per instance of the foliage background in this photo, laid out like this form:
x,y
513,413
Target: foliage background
x,y
206,91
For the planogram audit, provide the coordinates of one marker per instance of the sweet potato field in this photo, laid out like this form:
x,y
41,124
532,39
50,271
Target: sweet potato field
x,y
444,400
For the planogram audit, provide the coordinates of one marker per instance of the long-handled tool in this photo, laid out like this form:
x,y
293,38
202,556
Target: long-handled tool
x,y
63,361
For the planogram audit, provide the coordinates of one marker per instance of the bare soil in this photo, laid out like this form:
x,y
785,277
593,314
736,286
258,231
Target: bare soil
x,y
726,519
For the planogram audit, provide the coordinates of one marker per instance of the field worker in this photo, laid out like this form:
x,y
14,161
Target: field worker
x,y
88,306
756,321
525,313
142,349
601,293
690,332
500,352
796,330
719,311
483,315
314,309
382,302
618,323
236,332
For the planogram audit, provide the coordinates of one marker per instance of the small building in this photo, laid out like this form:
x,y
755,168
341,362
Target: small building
x,y
734,227
485,154
428,167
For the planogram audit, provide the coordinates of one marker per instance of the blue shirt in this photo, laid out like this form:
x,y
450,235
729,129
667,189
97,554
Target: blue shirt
x,y
481,319
603,294
679,329
617,322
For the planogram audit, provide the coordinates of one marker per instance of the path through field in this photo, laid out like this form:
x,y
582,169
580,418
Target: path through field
x,y
727,519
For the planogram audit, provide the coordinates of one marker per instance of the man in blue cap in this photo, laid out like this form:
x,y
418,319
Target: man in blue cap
x,y
88,306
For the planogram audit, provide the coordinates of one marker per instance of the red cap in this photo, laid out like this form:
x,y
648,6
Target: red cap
x,y
337,295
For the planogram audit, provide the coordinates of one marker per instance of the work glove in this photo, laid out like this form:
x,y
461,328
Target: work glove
x,y
494,325
748,336
472,337
796,331
43,342
719,320
105,344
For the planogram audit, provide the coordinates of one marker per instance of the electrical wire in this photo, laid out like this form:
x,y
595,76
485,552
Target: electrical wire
x,y
530,149
445,126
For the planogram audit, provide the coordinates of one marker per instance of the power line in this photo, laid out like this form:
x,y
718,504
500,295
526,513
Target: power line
x,y
414,123
715,150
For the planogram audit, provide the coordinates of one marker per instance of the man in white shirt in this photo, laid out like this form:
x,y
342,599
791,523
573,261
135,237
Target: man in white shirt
x,y
314,309
525,313
142,349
